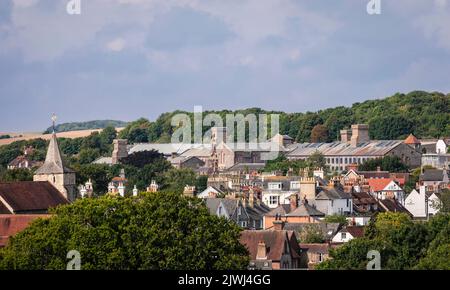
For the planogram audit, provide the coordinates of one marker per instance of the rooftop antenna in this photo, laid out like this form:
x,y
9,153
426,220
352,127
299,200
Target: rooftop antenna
x,y
54,118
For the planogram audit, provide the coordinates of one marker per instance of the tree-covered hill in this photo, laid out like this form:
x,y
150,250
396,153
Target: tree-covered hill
x,y
90,125
425,114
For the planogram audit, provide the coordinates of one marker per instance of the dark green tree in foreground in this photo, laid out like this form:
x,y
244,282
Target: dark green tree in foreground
x,y
152,231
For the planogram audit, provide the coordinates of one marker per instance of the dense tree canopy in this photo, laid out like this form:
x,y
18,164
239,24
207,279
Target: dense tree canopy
x,y
153,231
97,124
387,163
402,244
19,174
283,165
425,114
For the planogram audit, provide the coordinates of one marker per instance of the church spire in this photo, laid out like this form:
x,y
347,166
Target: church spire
x,y
54,163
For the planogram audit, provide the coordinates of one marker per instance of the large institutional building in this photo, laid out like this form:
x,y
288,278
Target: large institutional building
x,y
355,147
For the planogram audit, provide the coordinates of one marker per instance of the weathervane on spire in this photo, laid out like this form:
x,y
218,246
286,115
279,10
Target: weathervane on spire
x,y
54,121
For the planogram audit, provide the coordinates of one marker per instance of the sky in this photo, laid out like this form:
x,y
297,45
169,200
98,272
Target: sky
x,y
125,59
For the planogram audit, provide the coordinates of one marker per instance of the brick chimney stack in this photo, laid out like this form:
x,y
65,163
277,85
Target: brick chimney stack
x,y
360,134
346,135
119,151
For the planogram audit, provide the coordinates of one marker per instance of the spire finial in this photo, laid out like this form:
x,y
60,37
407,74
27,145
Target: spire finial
x,y
54,118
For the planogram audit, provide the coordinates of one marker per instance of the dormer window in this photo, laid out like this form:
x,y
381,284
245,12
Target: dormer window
x,y
275,186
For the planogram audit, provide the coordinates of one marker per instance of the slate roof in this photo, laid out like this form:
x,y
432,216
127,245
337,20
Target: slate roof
x,y
303,210
201,151
257,211
282,209
29,196
230,204
166,149
371,148
432,175
332,194
252,146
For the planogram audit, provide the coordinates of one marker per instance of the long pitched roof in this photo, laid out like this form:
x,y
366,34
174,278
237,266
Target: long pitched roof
x,y
29,196
332,194
166,149
302,210
432,175
305,210
379,184
371,148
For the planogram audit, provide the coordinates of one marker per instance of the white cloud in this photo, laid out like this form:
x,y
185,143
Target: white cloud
x,y
116,45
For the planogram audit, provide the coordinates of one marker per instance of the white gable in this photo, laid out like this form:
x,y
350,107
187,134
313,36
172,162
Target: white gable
x,y
206,193
392,186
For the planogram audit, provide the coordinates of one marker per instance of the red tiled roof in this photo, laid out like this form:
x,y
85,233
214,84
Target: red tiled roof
x,y
379,184
29,196
411,140
11,224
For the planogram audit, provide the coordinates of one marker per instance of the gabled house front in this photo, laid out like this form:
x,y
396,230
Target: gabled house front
x,y
387,188
333,200
272,249
229,208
